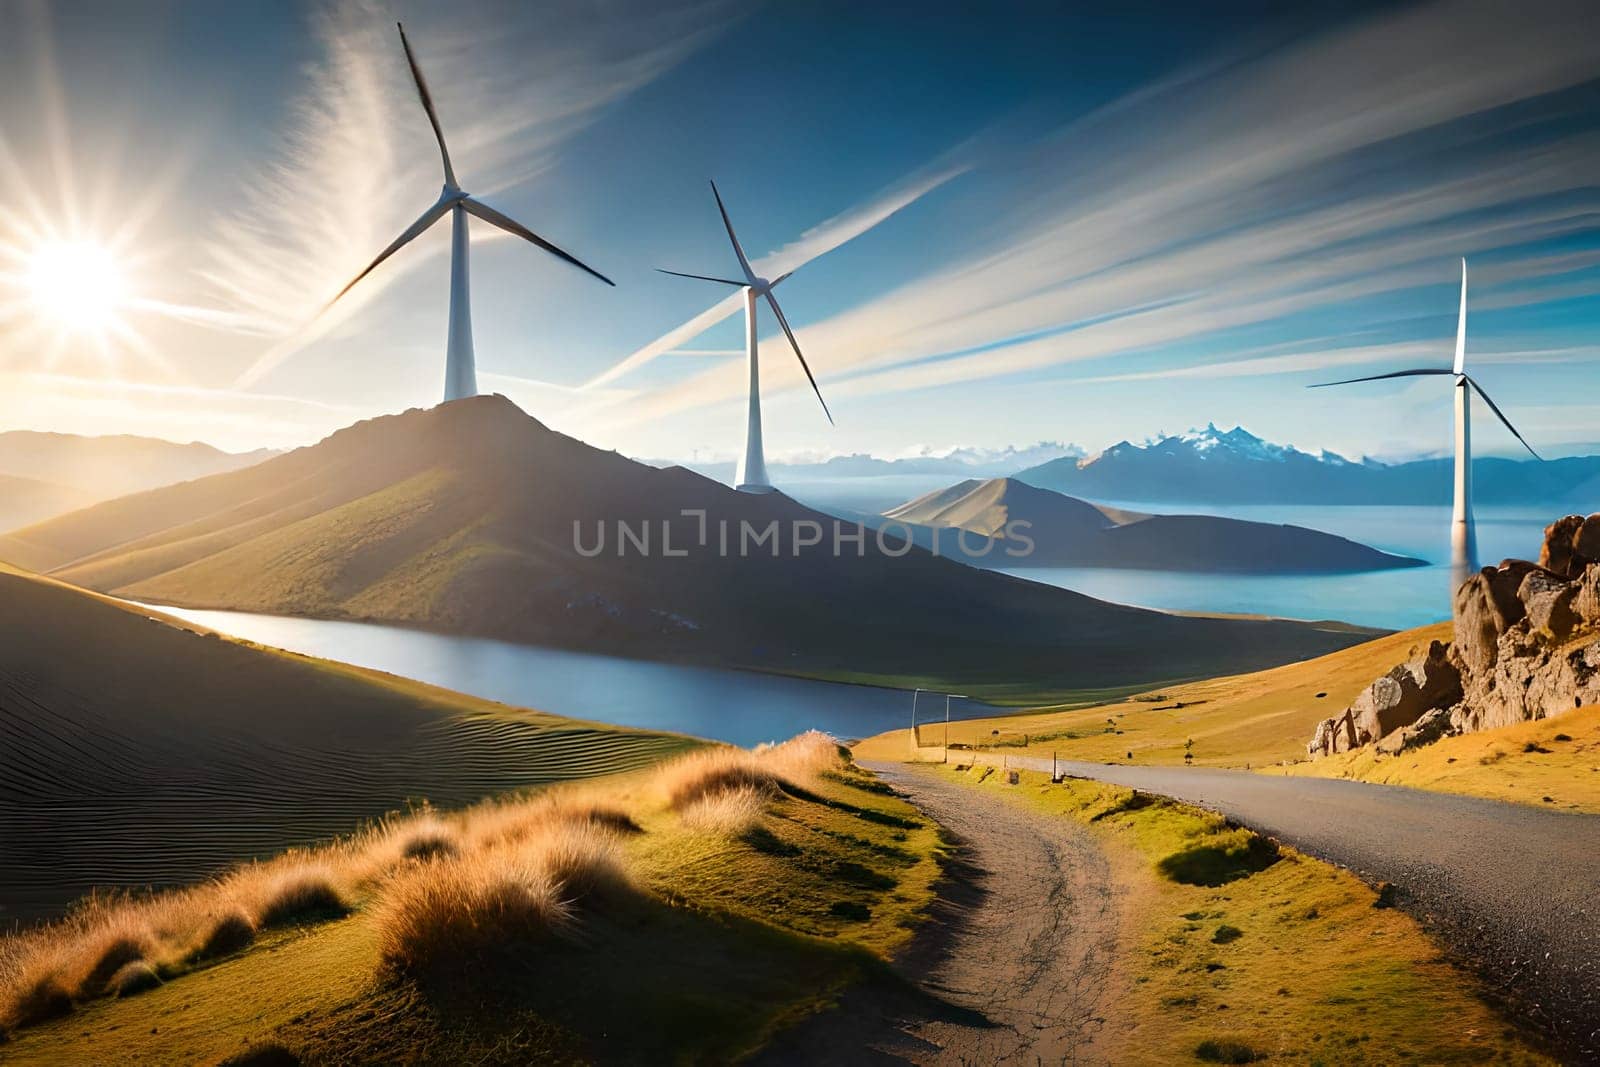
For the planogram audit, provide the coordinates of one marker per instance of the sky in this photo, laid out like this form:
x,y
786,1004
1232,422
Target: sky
x,y
1008,223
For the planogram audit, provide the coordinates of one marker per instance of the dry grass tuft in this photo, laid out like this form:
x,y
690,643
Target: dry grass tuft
x,y
730,813
456,917
107,953
307,895
714,771
227,934
584,862
805,757
37,998
132,979
427,837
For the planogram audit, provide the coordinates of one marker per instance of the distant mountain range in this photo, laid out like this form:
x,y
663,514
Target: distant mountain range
x,y
474,518
1213,466
957,462
48,474
1003,522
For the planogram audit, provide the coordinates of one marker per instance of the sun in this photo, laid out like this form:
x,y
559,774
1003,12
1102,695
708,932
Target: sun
x,y
78,285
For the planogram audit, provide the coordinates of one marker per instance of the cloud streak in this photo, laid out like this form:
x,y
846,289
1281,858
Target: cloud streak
x,y
1342,169
357,161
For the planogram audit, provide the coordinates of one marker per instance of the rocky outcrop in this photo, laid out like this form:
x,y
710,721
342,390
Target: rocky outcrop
x,y
1526,646
1393,702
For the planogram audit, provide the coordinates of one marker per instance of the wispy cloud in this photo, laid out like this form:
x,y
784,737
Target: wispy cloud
x,y
357,162
1345,167
815,242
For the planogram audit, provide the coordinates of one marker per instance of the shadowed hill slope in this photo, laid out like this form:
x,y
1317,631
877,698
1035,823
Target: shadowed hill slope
x,y
1042,528
474,518
136,751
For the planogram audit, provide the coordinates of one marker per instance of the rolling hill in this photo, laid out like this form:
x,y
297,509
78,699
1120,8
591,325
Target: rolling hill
x,y
89,469
135,750
25,501
1031,527
1213,466
474,518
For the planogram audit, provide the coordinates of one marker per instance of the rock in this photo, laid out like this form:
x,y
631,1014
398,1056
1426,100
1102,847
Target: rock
x,y
1527,646
1425,731
1333,736
1548,600
1586,542
1321,739
1405,694
1586,602
1486,606
1556,555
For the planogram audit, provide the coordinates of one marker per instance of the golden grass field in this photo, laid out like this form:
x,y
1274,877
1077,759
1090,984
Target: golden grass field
x,y
1242,720
1263,720
680,913
1552,762
1235,951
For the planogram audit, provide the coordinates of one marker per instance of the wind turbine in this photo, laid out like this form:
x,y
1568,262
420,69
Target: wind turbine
x,y
1463,532
460,372
751,476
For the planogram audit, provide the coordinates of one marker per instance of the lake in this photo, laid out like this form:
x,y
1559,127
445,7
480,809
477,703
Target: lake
x,y
1397,599
741,707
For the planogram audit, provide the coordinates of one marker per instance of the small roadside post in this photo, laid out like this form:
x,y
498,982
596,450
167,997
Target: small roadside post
x,y
947,697
915,748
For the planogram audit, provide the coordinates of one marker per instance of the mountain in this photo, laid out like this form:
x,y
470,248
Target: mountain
x,y
1213,466
956,462
100,468
473,518
139,750
24,501
1054,530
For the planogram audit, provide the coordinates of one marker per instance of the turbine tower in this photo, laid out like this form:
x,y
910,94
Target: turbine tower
x,y
460,372
1463,531
751,476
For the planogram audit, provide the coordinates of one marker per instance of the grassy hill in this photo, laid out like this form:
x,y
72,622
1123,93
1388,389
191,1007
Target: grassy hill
x,y
1055,530
681,914
101,468
25,501
135,750
1255,719
463,519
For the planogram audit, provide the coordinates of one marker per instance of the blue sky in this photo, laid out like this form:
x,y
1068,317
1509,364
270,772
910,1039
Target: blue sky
x,y
1011,223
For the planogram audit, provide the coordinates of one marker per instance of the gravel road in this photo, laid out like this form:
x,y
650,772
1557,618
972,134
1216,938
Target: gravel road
x,y
1511,890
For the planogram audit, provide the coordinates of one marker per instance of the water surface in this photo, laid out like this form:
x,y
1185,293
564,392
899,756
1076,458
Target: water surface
x,y
741,707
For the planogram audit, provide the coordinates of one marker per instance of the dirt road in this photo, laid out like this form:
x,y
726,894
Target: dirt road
x,y
1015,962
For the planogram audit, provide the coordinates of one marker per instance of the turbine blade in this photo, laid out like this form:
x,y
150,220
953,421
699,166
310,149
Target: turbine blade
x,y
784,322
738,250
427,105
701,277
1381,377
512,226
429,217
1502,417
1461,325
773,284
